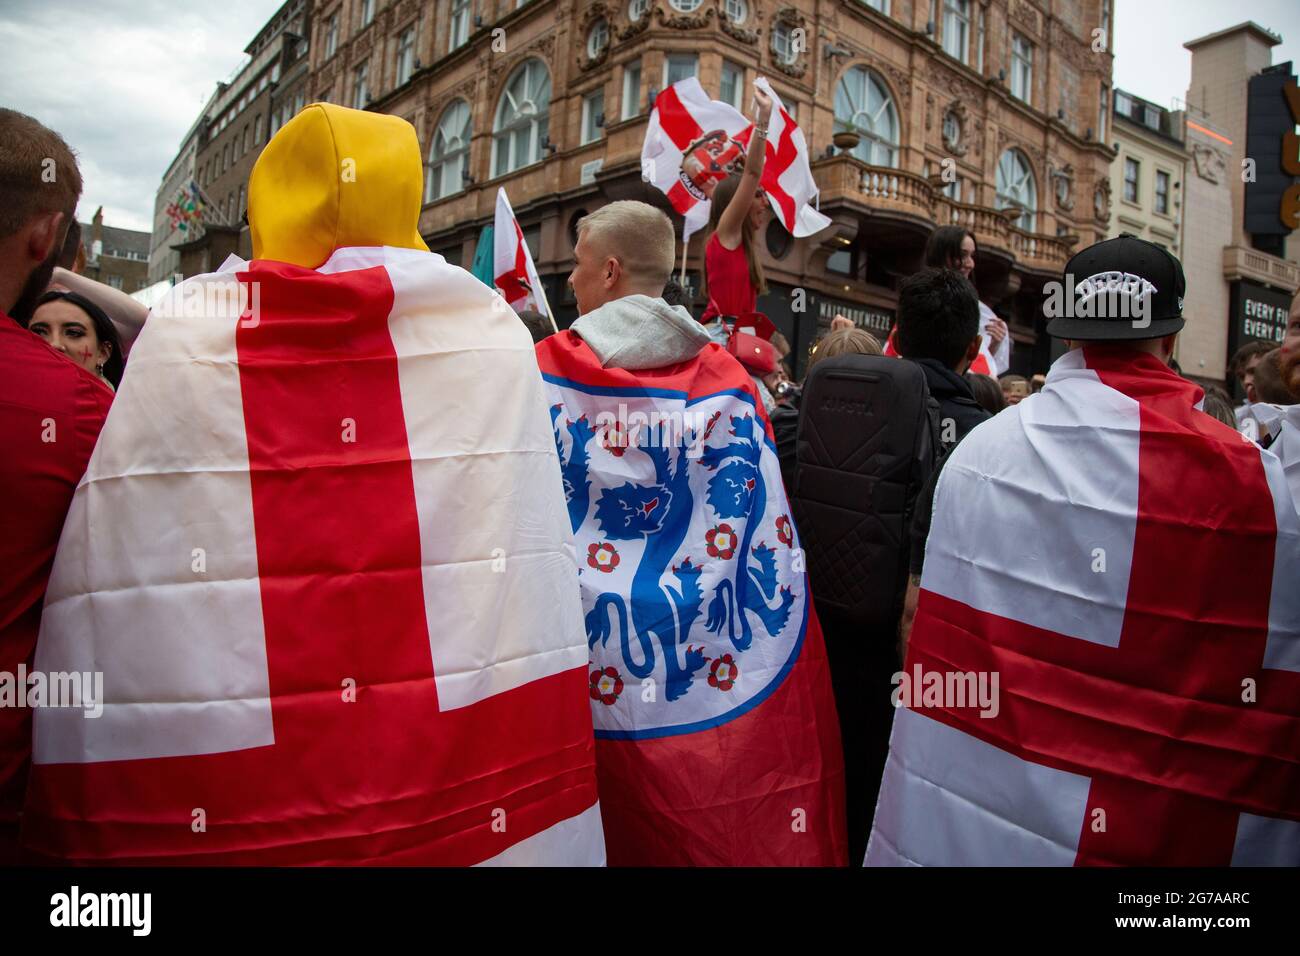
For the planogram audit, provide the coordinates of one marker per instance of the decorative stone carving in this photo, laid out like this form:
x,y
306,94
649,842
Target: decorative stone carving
x,y
929,110
737,32
1211,164
1007,141
1025,15
683,21
1101,201
1062,181
958,145
633,29
791,17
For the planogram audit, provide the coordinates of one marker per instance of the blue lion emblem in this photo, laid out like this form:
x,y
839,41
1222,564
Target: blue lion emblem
x,y
666,597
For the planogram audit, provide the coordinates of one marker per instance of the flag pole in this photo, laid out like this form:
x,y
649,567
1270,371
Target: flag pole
x,y
541,290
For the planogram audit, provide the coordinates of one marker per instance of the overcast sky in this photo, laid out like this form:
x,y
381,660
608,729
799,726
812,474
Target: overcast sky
x,y
123,80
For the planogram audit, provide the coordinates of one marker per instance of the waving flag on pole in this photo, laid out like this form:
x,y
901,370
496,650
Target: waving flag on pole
x,y
717,740
516,276
336,620
1145,641
692,142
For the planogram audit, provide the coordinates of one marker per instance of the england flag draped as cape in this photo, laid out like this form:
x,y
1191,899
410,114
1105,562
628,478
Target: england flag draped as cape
x,y
716,736
322,559
1126,566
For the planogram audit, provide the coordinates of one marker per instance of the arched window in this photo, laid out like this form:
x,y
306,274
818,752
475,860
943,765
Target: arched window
x,y
1016,187
448,153
521,121
863,106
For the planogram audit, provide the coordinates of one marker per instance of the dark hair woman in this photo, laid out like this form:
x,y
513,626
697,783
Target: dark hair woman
x,y
82,331
952,247
733,276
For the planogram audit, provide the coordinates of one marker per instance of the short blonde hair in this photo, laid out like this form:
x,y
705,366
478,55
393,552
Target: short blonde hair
x,y
853,341
636,234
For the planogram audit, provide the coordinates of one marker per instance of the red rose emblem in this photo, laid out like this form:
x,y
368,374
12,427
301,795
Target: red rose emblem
x,y
615,439
602,557
721,541
723,673
606,685
784,533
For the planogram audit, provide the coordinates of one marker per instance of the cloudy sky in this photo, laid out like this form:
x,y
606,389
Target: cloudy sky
x,y
123,80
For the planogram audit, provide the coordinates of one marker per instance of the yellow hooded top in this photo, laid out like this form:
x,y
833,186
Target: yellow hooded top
x,y
333,177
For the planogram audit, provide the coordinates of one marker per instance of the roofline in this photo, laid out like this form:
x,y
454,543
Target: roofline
x,y
1249,26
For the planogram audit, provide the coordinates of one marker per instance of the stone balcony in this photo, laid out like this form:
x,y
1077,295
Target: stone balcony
x,y
846,180
1242,262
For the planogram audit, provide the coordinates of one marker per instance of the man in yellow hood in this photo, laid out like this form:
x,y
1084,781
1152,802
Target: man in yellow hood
x,y
330,584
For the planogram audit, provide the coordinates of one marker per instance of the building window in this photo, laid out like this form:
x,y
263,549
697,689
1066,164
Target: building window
x,y
1016,187
636,9
115,282
593,116
459,23
1132,173
783,43
448,153
367,13
246,142
522,118
956,29
1022,68
979,40
1105,22
679,66
1123,104
360,87
686,6
332,36
737,11
881,5
597,38
239,210
863,106
733,84
1103,114
405,56
1162,192
257,129
631,89
1151,117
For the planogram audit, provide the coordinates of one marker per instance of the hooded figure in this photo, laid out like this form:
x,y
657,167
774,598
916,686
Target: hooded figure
x,y
321,558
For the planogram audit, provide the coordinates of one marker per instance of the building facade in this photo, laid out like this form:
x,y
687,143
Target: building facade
x,y
1146,178
116,257
1236,291
985,114
164,260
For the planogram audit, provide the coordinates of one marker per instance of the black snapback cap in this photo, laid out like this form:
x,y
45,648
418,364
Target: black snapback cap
x,y
1121,289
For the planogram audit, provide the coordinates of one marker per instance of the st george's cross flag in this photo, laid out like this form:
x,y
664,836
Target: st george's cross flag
x,y
716,735
513,271
1125,566
322,559
692,142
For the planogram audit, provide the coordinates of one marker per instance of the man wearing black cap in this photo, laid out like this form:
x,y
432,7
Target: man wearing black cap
x,y
1118,568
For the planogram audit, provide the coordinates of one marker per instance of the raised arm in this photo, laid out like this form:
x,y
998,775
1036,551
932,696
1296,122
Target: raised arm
x,y
732,221
127,314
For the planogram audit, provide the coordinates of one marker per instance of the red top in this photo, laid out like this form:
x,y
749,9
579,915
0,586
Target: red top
x,y
728,276
51,411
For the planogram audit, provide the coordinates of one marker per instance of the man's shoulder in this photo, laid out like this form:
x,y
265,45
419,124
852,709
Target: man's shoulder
x,y
35,376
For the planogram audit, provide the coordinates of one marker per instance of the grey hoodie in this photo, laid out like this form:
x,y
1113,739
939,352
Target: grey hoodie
x,y
638,332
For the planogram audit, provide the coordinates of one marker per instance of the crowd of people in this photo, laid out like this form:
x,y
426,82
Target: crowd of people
x,y
952,519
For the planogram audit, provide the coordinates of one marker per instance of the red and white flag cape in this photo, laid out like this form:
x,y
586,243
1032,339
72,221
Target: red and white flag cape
x,y
512,264
322,559
716,736
1126,566
692,142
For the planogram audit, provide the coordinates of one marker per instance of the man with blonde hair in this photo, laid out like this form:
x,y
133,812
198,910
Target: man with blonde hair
x,y
715,726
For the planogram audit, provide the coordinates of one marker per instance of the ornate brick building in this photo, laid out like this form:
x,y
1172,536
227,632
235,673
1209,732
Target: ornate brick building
x,y
986,114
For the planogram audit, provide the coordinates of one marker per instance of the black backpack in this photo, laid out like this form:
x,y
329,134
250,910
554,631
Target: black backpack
x,y
869,438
